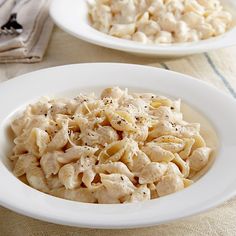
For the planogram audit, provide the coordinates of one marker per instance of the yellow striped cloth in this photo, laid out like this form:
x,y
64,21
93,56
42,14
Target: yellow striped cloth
x,y
217,68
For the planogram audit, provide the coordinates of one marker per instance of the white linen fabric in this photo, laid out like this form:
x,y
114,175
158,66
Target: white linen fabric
x,y
31,44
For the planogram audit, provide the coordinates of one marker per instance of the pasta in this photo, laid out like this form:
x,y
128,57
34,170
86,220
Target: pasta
x,y
160,21
119,148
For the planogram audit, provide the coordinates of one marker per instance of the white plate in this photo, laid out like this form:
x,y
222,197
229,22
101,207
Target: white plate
x,y
216,186
72,16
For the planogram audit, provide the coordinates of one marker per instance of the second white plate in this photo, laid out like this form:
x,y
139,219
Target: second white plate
x,y
72,16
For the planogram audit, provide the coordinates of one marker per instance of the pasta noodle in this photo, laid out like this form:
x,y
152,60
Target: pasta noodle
x,y
160,21
119,148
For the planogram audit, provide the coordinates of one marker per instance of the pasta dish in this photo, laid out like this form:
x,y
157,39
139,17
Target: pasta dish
x,y
120,147
160,21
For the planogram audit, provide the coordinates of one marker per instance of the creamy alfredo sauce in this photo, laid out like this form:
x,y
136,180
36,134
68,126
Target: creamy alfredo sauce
x,y
207,131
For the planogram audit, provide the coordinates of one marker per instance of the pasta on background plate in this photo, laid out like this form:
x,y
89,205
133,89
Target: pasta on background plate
x,y
119,148
160,21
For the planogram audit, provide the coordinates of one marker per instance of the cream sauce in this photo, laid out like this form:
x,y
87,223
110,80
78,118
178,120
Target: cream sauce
x,y
207,131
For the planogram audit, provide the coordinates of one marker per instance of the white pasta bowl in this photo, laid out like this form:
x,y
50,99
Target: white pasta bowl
x,y
216,186
72,17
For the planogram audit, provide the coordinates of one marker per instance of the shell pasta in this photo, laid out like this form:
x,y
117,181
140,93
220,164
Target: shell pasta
x,y
117,148
160,21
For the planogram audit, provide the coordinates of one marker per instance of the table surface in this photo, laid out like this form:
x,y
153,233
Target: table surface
x,y
217,68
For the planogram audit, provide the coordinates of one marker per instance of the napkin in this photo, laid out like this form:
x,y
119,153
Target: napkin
x,y
31,44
